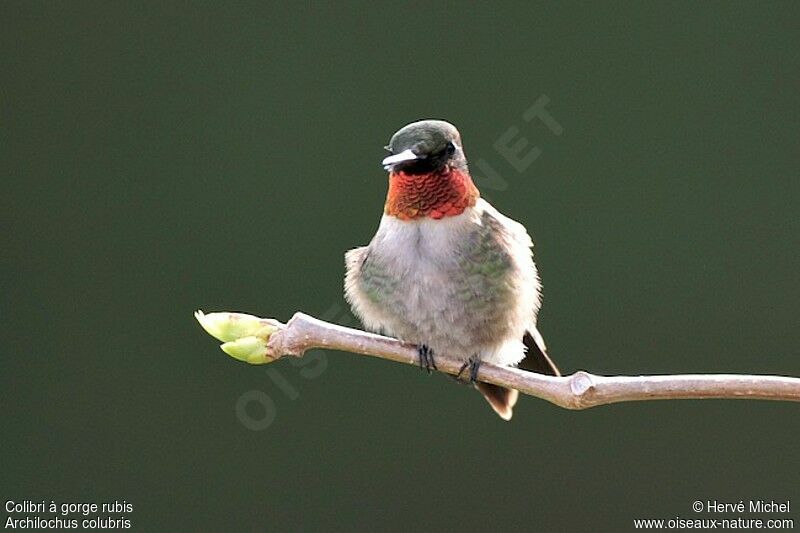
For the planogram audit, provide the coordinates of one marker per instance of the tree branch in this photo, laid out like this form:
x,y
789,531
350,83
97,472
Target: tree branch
x,y
259,341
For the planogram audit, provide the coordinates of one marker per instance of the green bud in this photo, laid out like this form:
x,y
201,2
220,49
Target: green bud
x,y
249,349
230,326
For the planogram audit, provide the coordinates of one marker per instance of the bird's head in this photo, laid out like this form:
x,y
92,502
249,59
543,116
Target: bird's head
x,y
424,147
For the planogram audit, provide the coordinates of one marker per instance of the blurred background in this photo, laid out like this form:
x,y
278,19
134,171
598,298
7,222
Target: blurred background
x,y
159,158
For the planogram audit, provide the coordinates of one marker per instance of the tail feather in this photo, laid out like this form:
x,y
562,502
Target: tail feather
x,y
536,360
501,399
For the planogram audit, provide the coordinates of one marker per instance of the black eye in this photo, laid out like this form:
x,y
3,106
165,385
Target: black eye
x,y
451,148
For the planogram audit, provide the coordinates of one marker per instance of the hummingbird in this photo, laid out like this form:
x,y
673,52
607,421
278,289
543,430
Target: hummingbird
x,y
446,271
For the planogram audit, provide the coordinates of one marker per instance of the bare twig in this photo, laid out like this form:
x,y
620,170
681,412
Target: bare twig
x,y
580,390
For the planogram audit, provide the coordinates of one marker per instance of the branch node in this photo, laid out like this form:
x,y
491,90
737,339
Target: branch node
x,y
580,383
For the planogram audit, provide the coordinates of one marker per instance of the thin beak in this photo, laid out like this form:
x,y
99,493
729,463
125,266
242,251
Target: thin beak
x,y
402,157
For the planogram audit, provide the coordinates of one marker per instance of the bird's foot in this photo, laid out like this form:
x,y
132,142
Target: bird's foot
x,y
473,363
426,361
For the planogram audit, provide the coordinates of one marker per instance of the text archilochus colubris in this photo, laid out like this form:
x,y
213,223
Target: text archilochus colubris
x,y
447,271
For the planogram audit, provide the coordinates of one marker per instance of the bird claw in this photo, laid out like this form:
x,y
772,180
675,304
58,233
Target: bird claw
x,y
474,364
426,361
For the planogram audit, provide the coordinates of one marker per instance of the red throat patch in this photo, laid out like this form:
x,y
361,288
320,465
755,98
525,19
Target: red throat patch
x,y
445,193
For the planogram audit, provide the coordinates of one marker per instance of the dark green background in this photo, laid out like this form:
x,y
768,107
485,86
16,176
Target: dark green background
x,y
161,158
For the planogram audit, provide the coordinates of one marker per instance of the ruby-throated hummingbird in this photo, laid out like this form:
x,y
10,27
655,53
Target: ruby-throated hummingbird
x,y
446,271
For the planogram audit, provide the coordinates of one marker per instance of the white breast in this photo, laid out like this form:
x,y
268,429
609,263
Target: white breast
x,y
422,257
